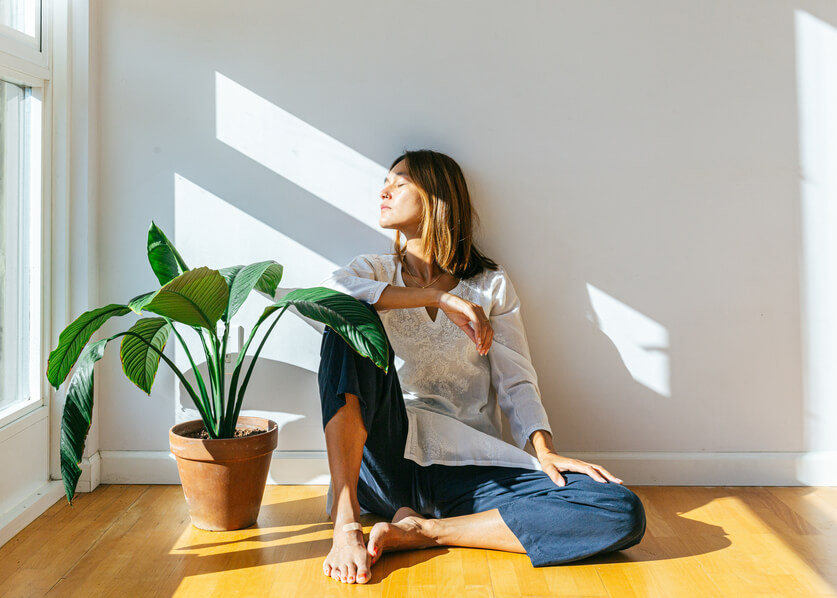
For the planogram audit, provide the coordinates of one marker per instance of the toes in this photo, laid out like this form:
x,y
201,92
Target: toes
x,y
351,573
327,569
373,546
363,575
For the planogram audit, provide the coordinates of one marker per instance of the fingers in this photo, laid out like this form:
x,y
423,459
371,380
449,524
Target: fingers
x,y
471,318
466,328
600,474
596,472
608,475
593,473
488,337
556,476
484,332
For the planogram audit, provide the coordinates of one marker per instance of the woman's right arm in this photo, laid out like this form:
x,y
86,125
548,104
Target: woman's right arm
x,y
468,316
403,297
360,279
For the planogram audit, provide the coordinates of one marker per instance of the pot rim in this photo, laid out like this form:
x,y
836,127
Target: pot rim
x,y
224,449
269,424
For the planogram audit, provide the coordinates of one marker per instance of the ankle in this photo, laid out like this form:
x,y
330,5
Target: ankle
x,y
354,537
433,529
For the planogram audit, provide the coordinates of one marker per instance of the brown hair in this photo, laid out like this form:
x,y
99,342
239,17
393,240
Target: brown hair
x,y
448,219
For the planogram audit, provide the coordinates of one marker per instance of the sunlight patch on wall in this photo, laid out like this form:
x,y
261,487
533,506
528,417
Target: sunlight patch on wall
x,y
642,342
816,57
299,152
212,232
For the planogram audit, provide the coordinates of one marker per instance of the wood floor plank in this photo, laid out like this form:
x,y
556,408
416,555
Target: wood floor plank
x,y
138,541
82,526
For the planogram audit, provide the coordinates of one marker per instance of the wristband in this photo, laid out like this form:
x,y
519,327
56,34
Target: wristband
x,y
349,527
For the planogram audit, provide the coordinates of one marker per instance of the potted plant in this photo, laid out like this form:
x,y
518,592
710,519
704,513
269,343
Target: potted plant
x,y
223,476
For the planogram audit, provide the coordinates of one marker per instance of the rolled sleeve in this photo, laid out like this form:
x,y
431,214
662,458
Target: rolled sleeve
x,y
512,374
358,279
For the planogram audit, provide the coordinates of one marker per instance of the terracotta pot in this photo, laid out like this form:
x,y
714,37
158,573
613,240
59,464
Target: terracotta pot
x,y
223,480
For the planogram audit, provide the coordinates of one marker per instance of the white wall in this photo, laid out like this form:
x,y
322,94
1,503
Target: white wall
x,y
636,167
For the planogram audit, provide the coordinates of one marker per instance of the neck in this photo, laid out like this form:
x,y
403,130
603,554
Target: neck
x,y
419,266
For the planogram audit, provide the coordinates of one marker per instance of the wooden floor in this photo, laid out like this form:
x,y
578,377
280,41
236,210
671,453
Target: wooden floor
x,y
132,541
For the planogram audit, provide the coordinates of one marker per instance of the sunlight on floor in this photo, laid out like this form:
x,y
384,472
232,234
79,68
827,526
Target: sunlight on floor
x,y
773,548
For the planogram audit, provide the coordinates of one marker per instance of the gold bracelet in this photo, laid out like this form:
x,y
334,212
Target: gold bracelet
x,y
349,527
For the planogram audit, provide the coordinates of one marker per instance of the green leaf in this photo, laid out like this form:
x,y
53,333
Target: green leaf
x,y
197,298
347,316
139,360
78,411
242,279
163,257
136,304
73,339
270,279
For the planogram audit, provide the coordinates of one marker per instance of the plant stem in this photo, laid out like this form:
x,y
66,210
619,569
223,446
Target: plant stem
x,y
232,415
223,411
201,385
240,397
211,371
218,383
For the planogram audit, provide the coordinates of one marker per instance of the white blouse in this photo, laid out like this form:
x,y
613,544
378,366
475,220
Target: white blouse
x,y
451,392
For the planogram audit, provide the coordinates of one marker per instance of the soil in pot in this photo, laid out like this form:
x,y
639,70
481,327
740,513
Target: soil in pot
x,y
239,433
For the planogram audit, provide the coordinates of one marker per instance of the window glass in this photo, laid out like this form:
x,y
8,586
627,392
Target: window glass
x,y
15,234
22,15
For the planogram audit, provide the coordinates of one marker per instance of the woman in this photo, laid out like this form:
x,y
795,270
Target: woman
x,y
422,444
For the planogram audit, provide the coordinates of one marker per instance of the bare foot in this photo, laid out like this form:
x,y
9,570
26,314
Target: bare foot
x,y
348,561
408,531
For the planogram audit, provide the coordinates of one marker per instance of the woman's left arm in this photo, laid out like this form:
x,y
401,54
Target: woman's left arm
x,y
515,381
553,464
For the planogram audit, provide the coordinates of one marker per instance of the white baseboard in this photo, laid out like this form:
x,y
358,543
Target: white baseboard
x,y
636,469
91,473
719,469
29,509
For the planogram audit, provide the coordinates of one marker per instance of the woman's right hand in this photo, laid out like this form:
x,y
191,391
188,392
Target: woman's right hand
x,y
463,313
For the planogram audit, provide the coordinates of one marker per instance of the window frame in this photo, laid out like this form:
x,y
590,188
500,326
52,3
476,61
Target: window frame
x,y
32,69
24,49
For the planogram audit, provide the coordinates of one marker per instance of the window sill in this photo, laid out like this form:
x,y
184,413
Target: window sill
x,y
11,414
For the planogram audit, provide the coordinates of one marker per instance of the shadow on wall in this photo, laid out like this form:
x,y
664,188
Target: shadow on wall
x,y
345,180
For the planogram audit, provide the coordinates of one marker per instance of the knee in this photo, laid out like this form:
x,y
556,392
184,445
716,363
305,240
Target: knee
x,y
333,341
331,336
632,517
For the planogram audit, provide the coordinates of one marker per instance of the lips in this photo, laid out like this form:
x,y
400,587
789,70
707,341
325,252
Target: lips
x,y
383,207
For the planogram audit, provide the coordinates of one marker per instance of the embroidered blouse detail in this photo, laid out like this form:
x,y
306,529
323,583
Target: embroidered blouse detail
x,y
451,392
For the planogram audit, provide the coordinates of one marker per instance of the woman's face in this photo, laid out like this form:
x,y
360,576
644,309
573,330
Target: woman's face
x,y
401,206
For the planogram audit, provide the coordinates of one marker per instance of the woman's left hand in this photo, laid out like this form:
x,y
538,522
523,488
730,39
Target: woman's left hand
x,y
553,464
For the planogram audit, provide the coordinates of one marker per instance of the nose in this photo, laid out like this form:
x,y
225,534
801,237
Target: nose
x,y
385,193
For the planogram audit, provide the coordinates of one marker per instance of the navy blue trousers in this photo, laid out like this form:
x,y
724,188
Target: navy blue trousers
x,y
555,524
